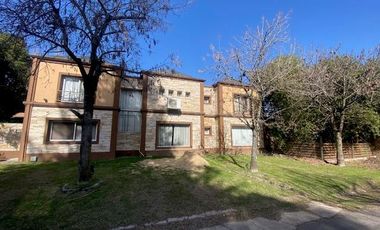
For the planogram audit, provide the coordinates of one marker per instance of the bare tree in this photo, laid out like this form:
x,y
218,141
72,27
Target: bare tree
x,y
100,30
246,63
335,83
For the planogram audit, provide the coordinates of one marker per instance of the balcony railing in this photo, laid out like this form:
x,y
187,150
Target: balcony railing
x,y
70,96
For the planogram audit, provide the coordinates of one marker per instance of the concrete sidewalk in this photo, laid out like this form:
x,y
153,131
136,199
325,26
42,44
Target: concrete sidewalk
x,y
316,216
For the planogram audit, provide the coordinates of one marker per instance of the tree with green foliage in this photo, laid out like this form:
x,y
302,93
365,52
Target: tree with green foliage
x,y
335,85
14,67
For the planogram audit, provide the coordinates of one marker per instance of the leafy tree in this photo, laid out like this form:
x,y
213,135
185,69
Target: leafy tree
x,y
14,62
335,84
101,30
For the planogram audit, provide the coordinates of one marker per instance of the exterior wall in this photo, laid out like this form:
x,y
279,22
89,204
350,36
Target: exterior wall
x,y
211,141
228,98
152,119
127,141
132,83
228,123
10,134
212,108
156,101
38,126
48,83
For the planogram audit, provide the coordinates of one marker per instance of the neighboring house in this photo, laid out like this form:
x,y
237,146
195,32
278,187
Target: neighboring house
x,y
158,113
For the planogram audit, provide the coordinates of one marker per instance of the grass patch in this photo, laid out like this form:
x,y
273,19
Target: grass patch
x,y
30,195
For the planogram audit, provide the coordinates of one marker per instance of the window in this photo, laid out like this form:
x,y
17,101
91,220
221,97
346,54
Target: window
x,y
241,136
207,100
69,131
187,94
130,111
208,131
72,89
179,93
173,135
162,91
241,104
171,92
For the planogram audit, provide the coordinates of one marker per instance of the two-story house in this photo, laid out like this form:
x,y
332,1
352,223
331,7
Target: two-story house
x,y
158,113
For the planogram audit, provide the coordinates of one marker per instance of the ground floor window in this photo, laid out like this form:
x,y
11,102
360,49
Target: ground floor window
x,y
68,131
173,135
241,136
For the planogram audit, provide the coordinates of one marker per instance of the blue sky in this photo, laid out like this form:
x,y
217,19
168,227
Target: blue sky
x,y
351,24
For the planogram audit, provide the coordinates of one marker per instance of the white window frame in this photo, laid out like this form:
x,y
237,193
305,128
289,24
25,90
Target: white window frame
x,y
77,98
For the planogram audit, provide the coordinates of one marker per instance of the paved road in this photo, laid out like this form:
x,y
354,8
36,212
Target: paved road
x,y
316,216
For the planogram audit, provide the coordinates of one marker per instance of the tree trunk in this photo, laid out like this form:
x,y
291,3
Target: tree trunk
x,y
85,169
339,148
253,167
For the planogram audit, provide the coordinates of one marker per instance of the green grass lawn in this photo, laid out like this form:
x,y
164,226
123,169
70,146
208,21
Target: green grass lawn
x,y
30,195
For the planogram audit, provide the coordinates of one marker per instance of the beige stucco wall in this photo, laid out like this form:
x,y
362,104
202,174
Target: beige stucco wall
x,y
212,108
152,118
38,127
10,134
213,140
48,83
159,102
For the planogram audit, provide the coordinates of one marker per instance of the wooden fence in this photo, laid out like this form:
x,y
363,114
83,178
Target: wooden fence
x,y
328,150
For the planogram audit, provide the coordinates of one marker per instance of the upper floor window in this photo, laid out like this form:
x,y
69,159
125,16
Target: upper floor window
x,y
242,104
71,89
130,111
187,94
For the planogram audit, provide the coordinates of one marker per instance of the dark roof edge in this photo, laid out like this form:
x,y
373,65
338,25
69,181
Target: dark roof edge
x,y
66,60
171,75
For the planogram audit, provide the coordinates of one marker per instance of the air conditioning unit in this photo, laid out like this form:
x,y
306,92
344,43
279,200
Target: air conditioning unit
x,y
174,103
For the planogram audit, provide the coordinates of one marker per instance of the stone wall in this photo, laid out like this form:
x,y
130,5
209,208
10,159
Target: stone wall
x,y
10,134
212,108
313,150
228,98
189,103
38,126
211,141
127,141
152,118
228,123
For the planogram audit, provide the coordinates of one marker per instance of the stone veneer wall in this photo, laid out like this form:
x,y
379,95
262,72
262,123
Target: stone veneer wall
x,y
228,122
38,124
159,102
127,141
212,108
152,118
213,140
10,134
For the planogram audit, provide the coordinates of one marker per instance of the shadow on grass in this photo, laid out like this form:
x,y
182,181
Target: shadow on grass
x,y
30,196
332,189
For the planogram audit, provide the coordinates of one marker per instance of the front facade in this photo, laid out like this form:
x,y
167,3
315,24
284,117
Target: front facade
x,y
154,114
